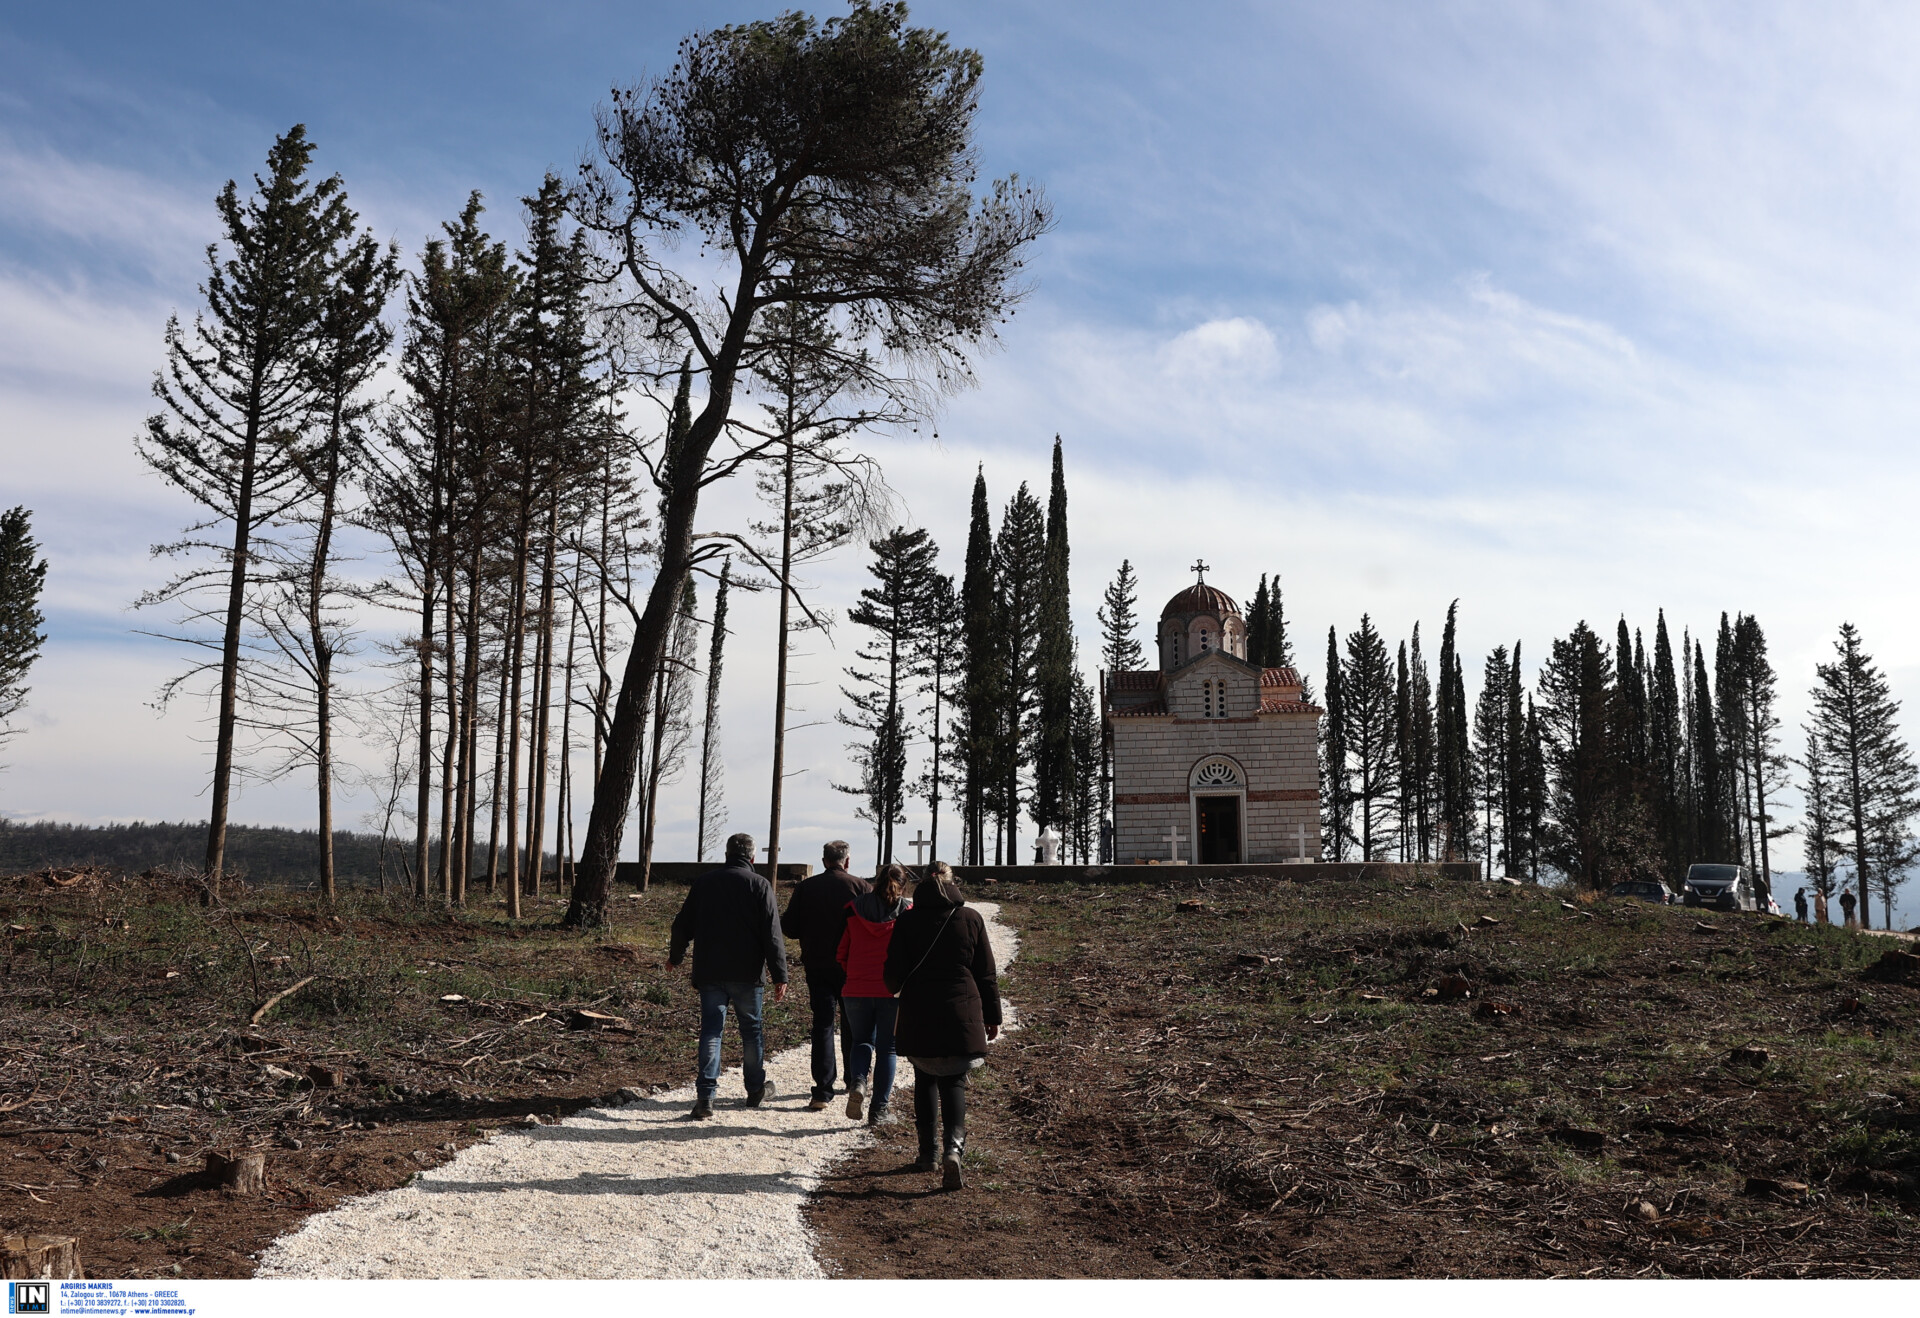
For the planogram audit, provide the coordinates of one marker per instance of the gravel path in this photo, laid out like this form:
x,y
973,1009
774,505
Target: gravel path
x,y
634,1191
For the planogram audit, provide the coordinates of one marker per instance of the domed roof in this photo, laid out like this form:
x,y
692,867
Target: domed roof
x,y
1202,598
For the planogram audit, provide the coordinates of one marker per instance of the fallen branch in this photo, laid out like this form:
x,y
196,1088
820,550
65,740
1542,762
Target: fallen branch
x,y
277,998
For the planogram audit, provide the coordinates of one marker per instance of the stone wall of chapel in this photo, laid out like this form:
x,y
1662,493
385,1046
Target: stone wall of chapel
x,y
1186,697
1152,757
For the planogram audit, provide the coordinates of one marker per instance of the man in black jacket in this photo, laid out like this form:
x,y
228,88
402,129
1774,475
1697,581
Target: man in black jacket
x,y
817,916
733,922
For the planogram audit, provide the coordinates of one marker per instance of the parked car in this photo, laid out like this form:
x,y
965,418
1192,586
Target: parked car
x,y
1647,890
1720,888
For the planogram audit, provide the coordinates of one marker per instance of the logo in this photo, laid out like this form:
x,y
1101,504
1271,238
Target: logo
x,y
29,1297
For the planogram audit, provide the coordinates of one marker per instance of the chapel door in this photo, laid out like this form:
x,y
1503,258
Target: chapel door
x,y
1219,829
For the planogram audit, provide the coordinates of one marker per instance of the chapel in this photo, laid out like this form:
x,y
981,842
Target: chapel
x,y
1214,758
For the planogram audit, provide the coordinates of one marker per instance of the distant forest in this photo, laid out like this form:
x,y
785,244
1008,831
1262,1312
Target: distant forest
x,y
281,857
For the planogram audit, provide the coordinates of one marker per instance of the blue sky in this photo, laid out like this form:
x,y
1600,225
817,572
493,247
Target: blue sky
x,y
1566,312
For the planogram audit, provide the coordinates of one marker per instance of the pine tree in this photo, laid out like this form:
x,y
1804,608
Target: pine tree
x,y
1876,786
235,393
1730,729
1578,723
1537,789
1337,829
985,679
1366,701
1120,652
1020,569
1085,803
713,811
894,609
21,580
938,655
1820,829
1765,765
1054,670
301,605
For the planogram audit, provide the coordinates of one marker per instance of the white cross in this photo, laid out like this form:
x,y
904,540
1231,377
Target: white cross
x,y
1173,839
919,844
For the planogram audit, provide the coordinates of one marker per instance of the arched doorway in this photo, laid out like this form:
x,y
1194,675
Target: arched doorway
x,y
1217,792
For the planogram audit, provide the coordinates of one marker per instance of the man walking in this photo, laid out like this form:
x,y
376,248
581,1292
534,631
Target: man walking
x,y
817,916
1800,905
1847,902
733,922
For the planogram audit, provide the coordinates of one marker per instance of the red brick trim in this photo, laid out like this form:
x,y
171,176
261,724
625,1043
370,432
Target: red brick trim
x,y
1152,798
1291,794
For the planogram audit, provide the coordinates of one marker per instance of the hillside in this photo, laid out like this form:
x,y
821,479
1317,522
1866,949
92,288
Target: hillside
x,y
280,857
1341,1079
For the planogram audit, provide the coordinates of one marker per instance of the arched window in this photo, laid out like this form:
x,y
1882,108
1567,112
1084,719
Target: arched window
x,y
1213,697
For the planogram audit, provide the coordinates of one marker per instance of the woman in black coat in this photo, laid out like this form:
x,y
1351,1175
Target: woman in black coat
x,y
940,964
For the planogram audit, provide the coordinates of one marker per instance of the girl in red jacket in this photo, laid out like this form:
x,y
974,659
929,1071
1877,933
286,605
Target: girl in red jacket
x,y
869,1007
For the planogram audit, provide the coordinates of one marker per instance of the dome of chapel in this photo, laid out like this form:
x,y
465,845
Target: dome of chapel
x,y
1202,598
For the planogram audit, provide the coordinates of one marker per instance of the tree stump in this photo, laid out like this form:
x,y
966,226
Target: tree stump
x,y
31,1258
239,1173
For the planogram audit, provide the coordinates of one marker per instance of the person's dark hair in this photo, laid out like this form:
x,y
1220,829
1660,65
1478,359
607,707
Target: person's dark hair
x,y
940,875
740,849
835,855
891,886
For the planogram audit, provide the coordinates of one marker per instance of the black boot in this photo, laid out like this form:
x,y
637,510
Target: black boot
x,y
951,1177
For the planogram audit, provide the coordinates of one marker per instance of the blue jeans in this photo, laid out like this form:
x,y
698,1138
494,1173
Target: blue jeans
x,y
744,997
823,996
870,1035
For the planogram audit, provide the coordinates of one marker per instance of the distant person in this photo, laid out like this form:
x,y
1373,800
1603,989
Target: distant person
x,y
1847,902
1820,915
869,1004
941,966
733,922
1800,905
817,916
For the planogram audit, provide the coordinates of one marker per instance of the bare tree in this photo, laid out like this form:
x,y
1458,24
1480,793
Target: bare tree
x,y
825,164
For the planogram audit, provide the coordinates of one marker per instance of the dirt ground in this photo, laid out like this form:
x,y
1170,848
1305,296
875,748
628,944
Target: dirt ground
x,y
1302,1079
127,1053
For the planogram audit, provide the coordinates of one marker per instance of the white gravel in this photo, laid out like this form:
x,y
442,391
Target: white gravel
x,y
635,1191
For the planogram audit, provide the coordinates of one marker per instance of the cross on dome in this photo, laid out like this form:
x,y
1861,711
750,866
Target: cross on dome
x,y
1199,569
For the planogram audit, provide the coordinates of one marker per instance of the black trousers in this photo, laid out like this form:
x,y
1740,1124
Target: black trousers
x,y
823,997
948,1093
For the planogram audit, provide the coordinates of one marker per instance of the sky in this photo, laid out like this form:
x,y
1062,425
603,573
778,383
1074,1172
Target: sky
x,y
1565,312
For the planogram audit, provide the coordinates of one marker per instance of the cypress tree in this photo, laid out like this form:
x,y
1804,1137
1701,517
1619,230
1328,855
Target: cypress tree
x,y
1084,802
1710,800
1338,828
712,810
1257,635
984,680
1420,770
1536,753
1730,715
1054,670
22,577
1515,817
1758,687
1493,753
1666,753
1452,750
1403,752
